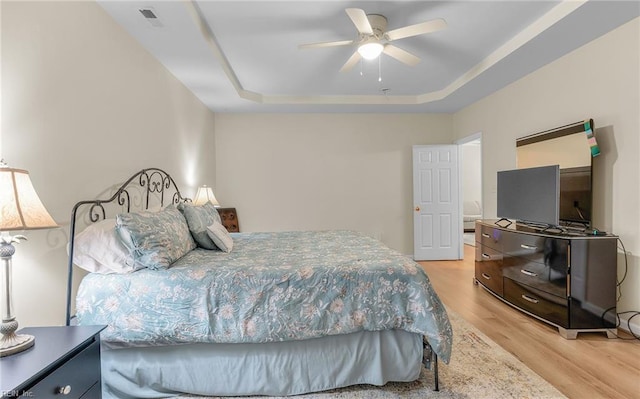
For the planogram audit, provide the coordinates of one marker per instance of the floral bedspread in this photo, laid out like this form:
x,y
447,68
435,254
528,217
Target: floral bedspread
x,y
272,287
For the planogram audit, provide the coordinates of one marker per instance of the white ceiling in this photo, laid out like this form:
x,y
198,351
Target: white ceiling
x,y
243,56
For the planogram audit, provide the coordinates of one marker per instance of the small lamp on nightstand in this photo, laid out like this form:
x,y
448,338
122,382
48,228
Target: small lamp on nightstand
x,y
204,195
20,209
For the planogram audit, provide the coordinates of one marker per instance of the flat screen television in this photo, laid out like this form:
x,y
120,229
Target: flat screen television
x,y
530,195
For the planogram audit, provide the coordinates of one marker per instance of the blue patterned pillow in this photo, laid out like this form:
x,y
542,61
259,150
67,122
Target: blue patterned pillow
x,y
156,239
198,218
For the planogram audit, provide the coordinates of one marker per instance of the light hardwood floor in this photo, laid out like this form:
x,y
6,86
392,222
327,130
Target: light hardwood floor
x,y
591,366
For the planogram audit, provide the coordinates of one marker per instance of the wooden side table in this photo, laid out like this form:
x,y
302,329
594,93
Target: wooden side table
x,y
229,219
64,361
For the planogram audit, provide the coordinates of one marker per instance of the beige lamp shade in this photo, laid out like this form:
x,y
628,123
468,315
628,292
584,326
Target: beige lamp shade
x,y
204,195
20,207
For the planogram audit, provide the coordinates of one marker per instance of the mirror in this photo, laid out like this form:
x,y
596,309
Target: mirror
x,y
572,148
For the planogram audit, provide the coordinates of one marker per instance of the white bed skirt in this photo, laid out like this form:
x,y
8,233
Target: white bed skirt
x,y
274,369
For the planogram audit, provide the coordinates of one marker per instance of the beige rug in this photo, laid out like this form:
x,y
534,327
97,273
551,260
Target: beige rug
x,y
479,368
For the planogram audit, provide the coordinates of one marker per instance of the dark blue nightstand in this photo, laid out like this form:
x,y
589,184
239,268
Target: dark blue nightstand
x,y
64,362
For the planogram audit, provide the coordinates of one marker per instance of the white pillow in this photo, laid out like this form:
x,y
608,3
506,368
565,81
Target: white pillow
x,y
97,249
220,236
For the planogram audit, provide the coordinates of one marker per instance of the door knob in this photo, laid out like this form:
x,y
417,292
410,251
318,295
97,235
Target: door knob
x,y
417,209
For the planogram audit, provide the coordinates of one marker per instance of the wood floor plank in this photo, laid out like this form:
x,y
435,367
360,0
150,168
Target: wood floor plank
x,y
591,366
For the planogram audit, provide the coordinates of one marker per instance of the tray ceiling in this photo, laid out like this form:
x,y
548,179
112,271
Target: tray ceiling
x,y
243,56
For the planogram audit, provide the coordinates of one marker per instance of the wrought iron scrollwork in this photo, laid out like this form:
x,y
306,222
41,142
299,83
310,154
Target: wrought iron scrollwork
x,y
124,199
177,199
97,212
157,181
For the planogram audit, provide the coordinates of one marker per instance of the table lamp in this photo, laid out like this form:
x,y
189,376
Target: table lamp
x,y
204,195
20,209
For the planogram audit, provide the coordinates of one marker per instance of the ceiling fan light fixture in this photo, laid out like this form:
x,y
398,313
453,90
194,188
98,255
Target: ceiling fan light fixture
x,y
370,50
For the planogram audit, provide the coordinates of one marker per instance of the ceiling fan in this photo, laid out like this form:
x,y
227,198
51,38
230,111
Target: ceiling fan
x,y
373,38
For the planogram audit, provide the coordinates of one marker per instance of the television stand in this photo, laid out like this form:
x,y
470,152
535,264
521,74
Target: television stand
x,y
565,279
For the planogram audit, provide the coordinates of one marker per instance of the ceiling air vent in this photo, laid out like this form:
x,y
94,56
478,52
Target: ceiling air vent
x,y
151,17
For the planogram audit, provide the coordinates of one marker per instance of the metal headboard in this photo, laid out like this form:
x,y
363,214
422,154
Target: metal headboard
x,y
148,186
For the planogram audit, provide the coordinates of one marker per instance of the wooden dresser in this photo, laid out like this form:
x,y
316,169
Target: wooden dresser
x,y
565,279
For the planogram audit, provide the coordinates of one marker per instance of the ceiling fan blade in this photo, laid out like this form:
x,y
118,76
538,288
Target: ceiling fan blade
x,y
326,44
417,29
401,55
351,62
360,20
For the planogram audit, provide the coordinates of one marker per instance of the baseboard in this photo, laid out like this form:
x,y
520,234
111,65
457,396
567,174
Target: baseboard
x,y
635,325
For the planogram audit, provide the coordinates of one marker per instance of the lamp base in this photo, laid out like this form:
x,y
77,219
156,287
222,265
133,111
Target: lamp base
x,y
13,343
10,342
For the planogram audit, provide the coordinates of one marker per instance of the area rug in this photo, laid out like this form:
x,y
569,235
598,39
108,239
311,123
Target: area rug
x,y
479,368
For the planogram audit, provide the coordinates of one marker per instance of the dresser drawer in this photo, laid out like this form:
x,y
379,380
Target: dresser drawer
x,y
549,307
552,252
489,237
525,245
488,268
78,375
535,275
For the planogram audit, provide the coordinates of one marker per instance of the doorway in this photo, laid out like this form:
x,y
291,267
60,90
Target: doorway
x,y
470,184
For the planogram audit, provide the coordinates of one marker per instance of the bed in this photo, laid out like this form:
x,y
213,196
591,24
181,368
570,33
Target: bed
x,y
264,313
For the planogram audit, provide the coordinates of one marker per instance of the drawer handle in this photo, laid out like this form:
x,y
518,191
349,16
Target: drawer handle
x,y
486,276
485,235
528,298
525,246
65,390
486,256
528,273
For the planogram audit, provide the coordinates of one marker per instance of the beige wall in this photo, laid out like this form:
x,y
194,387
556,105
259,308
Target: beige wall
x,y
324,171
601,81
85,106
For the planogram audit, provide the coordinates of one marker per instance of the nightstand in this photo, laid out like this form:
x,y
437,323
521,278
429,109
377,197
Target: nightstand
x,y
229,219
65,362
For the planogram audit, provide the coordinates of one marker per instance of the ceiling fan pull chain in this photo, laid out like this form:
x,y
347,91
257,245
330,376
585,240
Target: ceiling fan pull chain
x,y
361,73
379,69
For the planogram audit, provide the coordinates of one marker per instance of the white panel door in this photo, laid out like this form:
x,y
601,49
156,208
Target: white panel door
x,y
436,218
